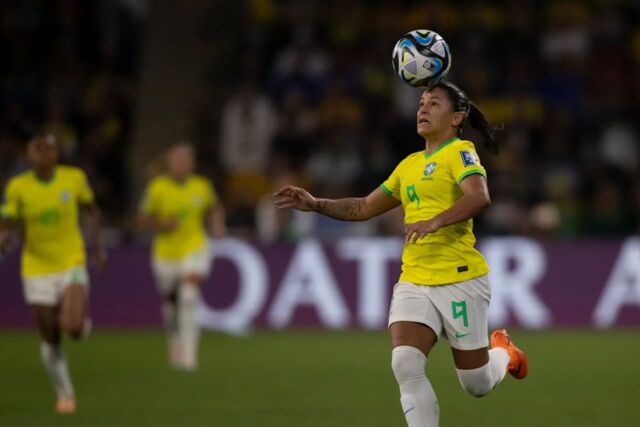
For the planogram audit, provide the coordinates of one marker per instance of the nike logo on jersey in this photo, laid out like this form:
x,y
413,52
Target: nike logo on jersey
x,y
459,335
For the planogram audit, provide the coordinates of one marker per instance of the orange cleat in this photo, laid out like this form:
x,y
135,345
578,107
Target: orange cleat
x,y
517,367
66,405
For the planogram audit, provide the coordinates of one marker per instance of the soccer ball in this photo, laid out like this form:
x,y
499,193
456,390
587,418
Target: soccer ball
x,y
421,58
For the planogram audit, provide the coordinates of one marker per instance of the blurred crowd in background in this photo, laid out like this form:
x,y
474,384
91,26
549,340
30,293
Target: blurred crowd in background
x,y
69,68
303,92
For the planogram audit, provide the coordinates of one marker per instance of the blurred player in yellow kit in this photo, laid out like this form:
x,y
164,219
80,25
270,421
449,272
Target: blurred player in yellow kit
x,y
175,206
46,201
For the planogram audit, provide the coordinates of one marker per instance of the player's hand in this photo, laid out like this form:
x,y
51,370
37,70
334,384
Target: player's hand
x,y
420,229
99,259
5,242
294,198
167,224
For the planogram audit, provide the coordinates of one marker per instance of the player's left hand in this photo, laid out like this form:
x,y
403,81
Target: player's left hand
x,y
420,229
5,242
99,259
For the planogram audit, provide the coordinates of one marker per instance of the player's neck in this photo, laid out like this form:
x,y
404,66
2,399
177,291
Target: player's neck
x,y
434,142
44,174
180,179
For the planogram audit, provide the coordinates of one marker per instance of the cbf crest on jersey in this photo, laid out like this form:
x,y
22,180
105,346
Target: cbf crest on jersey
x,y
468,158
430,168
65,196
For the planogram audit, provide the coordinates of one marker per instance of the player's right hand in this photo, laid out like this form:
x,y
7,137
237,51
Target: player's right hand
x,y
168,224
5,242
294,198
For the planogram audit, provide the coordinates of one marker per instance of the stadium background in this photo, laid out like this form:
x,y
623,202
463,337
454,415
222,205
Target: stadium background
x,y
274,92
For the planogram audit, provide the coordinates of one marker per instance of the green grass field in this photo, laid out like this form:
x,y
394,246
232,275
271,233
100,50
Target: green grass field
x,y
315,379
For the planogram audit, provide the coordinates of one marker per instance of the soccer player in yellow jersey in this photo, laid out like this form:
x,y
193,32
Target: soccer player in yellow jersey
x,y
175,206
443,287
45,202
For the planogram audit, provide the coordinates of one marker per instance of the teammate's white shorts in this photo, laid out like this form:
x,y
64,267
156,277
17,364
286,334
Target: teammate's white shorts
x,y
169,273
47,289
459,311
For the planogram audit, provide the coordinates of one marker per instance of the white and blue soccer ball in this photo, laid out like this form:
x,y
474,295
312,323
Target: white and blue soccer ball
x,y
421,58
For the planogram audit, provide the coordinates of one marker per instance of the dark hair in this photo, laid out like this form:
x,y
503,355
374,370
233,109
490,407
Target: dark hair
x,y
472,114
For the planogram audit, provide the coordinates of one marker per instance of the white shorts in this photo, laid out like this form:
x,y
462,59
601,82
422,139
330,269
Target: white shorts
x,y
459,311
47,289
169,273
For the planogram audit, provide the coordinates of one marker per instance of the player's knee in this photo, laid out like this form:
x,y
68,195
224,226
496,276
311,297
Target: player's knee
x,y
476,382
74,331
476,390
72,328
188,295
407,363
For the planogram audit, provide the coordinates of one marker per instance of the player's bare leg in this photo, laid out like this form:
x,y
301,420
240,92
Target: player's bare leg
x,y
411,344
170,317
46,318
73,311
188,327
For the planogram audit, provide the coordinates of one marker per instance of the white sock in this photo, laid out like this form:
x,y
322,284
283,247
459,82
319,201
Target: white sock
x,y
56,365
188,327
419,401
169,315
480,381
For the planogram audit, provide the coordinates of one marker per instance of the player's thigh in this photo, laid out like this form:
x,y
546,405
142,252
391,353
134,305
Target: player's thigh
x,y
470,359
195,267
167,276
74,300
46,318
413,320
465,309
413,334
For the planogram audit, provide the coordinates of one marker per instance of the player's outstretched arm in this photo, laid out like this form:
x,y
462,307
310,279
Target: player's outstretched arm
x,y
348,209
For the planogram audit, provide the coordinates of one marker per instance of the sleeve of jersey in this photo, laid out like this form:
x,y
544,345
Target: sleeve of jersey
x,y
11,202
465,162
392,185
85,194
149,202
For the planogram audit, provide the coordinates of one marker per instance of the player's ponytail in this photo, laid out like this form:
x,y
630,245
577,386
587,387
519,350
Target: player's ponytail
x,y
472,114
478,121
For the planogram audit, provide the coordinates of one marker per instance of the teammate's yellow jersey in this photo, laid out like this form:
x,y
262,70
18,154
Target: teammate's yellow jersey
x,y
49,210
187,202
428,185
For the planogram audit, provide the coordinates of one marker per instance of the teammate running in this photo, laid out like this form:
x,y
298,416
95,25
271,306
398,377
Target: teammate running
x,y
175,207
45,201
443,287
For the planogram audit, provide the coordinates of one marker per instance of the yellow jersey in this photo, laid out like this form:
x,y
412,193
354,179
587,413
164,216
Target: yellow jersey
x,y
49,210
187,202
428,185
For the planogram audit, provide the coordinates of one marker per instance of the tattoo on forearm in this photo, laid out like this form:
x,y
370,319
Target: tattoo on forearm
x,y
343,209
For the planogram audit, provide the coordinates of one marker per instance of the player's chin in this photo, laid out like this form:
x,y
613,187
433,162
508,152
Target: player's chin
x,y
423,130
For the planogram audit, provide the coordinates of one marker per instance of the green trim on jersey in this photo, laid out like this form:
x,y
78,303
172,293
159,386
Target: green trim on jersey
x,y
444,144
466,174
386,190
